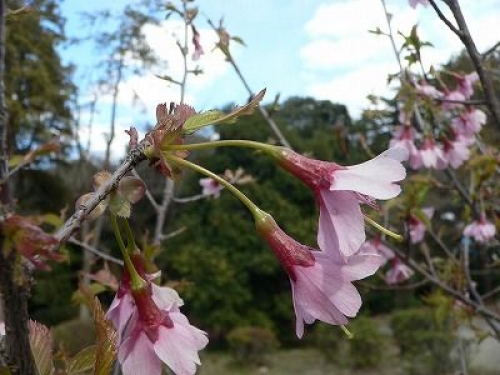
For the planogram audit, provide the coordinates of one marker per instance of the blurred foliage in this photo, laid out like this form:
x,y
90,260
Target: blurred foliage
x,y
252,345
425,340
38,88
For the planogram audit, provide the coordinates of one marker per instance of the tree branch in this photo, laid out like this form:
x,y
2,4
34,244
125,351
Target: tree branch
x,y
133,158
466,38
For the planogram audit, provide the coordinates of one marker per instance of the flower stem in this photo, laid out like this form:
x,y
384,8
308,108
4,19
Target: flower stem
x,y
256,211
136,281
130,236
386,231
267,148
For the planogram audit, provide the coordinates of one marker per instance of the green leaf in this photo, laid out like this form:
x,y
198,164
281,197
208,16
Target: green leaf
x,y
120,206
201,120
83,361
106,341
41,347
238,40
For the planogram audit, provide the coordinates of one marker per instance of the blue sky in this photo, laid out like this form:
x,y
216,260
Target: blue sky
x,y
294,47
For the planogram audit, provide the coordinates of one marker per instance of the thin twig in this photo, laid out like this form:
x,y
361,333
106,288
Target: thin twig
x,y
481,309
95,251
272,124
443,18
172,234
491,50
149,196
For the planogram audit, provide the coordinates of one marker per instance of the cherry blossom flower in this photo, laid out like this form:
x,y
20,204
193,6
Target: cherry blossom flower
x,y
455,98
431,155
417,227
210,187
469,122
466,84
375,246
2,329
482,230
340,191
455,152
428,90
156,333
398,272
321,287
404,136
123,305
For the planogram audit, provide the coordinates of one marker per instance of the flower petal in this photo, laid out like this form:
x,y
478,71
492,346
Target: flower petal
x,y
374,177
137,356
341,225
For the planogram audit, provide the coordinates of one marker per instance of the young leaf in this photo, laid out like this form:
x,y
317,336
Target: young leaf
x,y
41,347
106,341
82,362
201,120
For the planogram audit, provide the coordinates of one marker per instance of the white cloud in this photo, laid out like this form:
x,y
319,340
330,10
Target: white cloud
x,y
147,90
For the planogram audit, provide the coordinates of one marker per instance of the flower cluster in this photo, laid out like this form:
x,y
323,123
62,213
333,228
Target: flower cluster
x,y
322,279
398,271
452,147
151,329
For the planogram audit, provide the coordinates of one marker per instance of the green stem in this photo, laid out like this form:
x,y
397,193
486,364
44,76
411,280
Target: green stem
x,y
386,231
136,281
256,211
130,236
267,148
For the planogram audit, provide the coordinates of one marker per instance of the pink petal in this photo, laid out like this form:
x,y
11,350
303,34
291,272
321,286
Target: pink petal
x,y
360,266
341,223
165,298
178,346
374,177
137,356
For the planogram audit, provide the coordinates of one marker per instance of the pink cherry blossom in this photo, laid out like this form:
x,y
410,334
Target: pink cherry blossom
x,y
455,98
431,155
321,287
404,137
417,227
466,84
210,187
159,333
428,90
481,230
455,152
469,122
340,191
2,328
123,305
398,272
414,3
376,246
